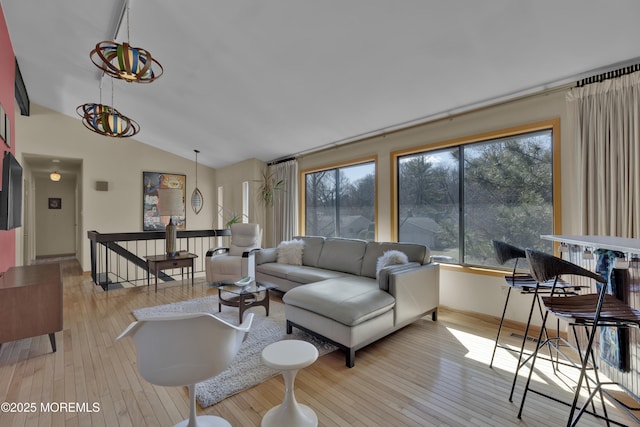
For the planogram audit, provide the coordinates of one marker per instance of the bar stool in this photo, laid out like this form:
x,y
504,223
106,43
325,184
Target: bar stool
x,y
521,281
289,356
590,311
526,284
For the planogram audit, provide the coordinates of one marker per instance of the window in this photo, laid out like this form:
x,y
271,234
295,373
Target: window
x,y
340,202
220,207
245,201
458,198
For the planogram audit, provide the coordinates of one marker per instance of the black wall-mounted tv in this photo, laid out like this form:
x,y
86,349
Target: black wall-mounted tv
x,y
11,195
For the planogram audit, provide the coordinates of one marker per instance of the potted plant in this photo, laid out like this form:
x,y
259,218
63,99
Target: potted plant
x,y
235,218
269,185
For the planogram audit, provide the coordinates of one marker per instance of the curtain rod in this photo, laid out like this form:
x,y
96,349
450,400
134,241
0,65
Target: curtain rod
x,y
608,75
282,160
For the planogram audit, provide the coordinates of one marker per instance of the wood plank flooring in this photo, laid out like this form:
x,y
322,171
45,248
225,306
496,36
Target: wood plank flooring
x,y
428,374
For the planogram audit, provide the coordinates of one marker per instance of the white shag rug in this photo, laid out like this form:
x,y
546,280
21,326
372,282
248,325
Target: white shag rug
x,y
247,369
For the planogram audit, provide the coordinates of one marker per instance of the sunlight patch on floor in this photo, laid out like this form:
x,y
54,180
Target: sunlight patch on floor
x,y
559,383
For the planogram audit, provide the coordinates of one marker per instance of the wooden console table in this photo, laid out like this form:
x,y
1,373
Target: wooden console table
x,y
157,263
31,302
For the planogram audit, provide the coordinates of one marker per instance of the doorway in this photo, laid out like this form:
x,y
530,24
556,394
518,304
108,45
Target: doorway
x,y
51,226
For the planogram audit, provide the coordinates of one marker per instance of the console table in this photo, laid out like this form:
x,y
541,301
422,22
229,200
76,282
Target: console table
x,y
157,263
31,302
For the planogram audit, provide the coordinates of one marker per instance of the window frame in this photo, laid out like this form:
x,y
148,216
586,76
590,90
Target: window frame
x,y
552,124
303,188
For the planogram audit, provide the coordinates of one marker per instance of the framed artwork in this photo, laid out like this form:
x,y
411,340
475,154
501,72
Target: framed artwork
x,y
55,203
151,182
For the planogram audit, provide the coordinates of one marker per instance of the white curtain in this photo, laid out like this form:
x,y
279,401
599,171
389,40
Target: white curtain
x,y
284,215
607,129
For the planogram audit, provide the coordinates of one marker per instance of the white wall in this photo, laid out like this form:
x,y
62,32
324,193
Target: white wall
x,y
231,178
120,162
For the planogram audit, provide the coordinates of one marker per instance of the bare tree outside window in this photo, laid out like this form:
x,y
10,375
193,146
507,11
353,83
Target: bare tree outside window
x,y
340,202
456,200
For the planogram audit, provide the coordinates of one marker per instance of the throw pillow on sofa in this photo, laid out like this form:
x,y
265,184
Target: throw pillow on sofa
x,y
290,252
390,258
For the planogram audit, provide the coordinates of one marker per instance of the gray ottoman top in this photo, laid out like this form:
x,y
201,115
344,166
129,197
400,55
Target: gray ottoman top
x,y
349,301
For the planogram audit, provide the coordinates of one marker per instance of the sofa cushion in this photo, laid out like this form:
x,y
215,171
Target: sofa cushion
x,y
290,252
343,255
312,249
348,300
298,274
414,251
312,274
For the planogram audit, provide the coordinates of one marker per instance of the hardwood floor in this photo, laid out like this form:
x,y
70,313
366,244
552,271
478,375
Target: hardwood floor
x,y
427,374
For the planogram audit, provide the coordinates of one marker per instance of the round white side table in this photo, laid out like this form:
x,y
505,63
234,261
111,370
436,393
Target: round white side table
x,y
289,356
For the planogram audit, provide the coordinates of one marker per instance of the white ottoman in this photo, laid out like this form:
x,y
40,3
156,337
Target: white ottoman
x,y
289,356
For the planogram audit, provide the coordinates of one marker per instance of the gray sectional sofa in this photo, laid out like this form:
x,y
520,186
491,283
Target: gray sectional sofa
x,y
338,294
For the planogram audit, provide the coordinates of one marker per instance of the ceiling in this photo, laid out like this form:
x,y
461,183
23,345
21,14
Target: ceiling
x,y
270,79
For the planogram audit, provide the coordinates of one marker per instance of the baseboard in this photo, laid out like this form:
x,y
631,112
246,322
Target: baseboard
x,y
39,257
534,330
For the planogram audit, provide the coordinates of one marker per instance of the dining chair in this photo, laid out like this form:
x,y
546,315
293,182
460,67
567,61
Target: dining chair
x,y
183,349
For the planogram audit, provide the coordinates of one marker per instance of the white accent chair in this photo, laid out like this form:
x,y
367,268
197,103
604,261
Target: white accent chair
x,y
184,349
235,262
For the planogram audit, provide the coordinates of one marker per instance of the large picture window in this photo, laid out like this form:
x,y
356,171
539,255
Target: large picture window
x,y
340,202
458,198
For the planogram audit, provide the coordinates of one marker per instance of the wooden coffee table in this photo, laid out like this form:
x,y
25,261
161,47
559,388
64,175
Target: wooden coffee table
x,y
243,297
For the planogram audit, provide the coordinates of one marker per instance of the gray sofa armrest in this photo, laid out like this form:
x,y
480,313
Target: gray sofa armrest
x,y
416,290
266,255
383,276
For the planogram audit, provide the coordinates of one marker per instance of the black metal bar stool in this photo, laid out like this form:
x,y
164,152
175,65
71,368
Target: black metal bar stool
x,y
526,284
588,311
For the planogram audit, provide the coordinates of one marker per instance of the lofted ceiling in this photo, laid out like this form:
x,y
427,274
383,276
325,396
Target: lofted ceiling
x,y
269,79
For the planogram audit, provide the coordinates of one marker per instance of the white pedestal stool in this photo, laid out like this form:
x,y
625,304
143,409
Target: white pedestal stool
x,y
289,356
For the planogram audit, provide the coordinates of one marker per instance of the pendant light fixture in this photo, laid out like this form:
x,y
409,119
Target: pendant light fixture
x,y
124,62
106,120
55,176
196,197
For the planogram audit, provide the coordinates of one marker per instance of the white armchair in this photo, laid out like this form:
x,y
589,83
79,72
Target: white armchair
x,y
183,349
235,262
